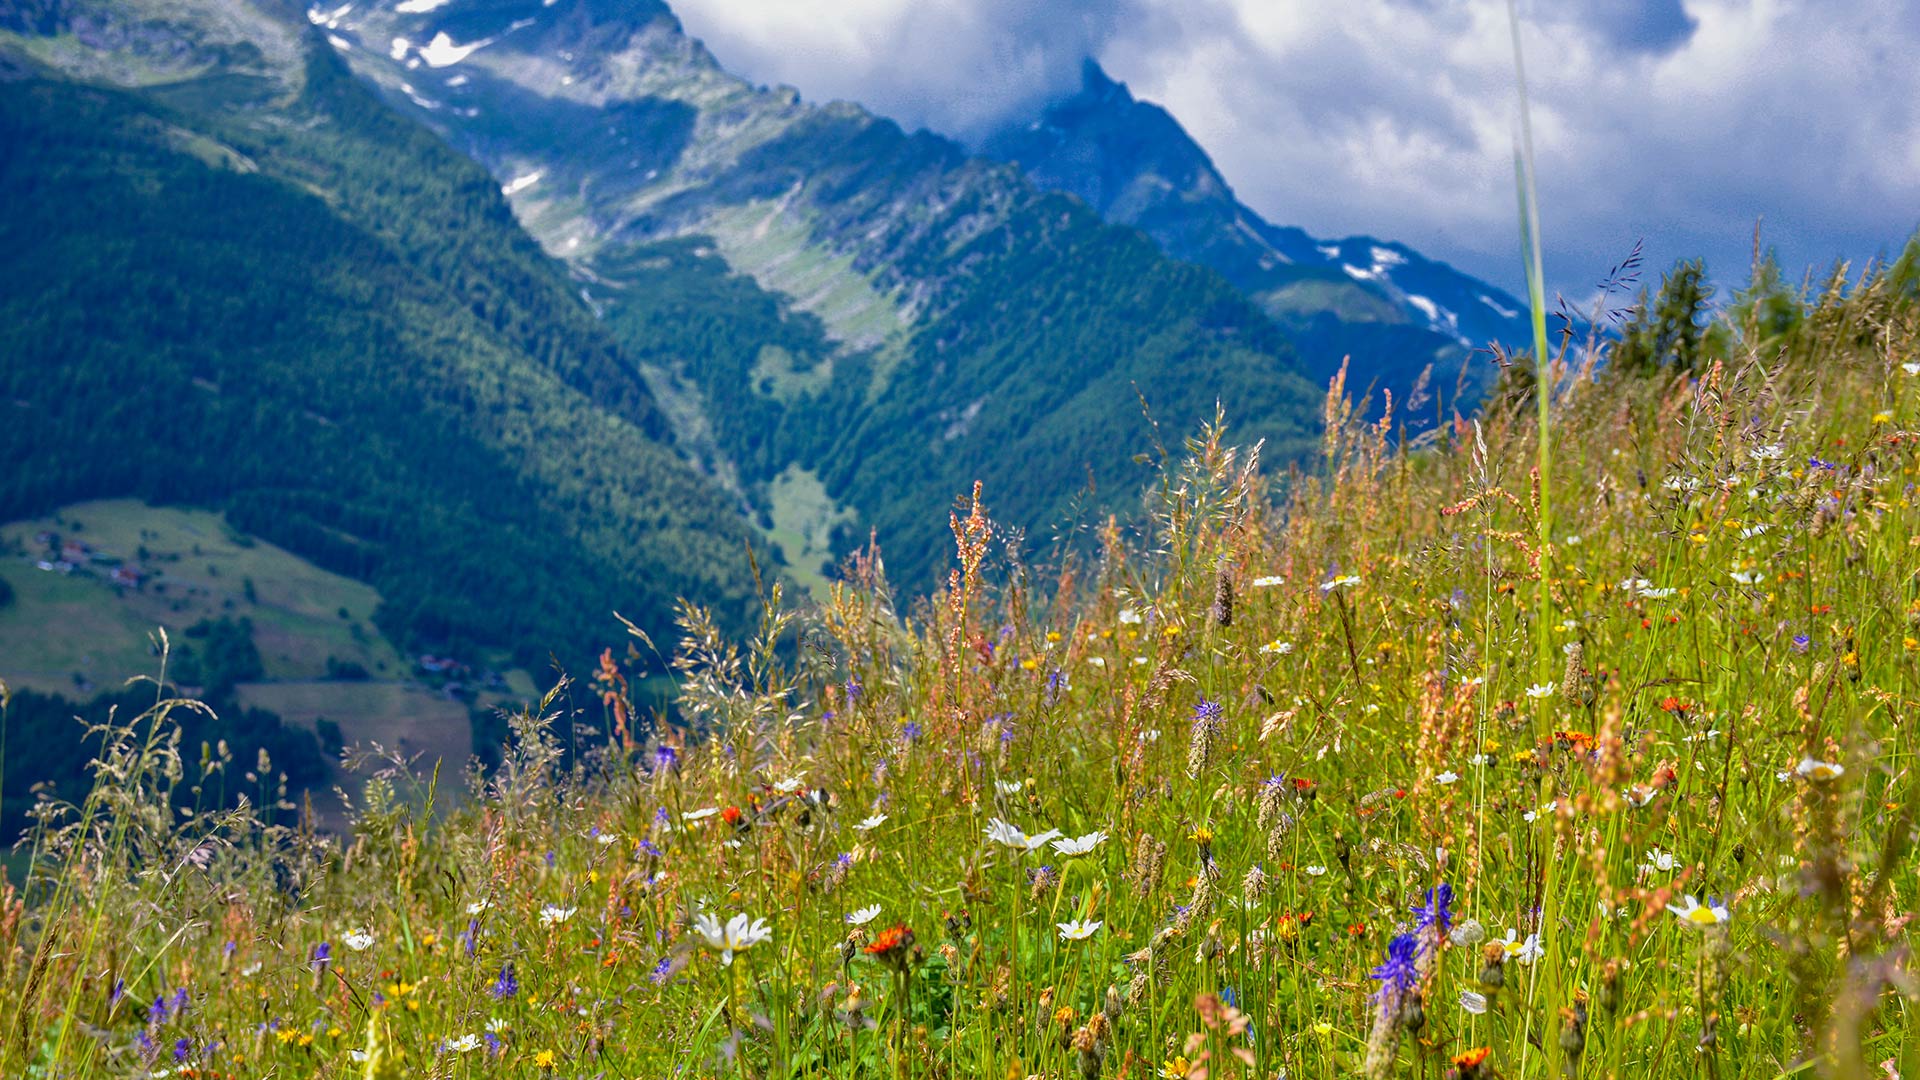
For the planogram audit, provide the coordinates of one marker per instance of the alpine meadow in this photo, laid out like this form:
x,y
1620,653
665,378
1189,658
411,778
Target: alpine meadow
x,y
527,553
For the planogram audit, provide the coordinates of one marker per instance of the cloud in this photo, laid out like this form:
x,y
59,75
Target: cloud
x,y
1680,121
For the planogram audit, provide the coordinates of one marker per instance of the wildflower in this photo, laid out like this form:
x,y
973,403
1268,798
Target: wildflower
x,y
479,906
1912,367
1276,647
891,943
738,935
1008,787
1663,861
872,823
1526,952
554,914
1078,930
863,916
1315,871
1467,1065
1002,833
506,985
357,939
1711,913
1397,974
182,1048
788,786
1541,690
1447,777
1269,581
1345,581
1129,616
1206,725
1079,845
701,814
321,954
464,1044
1819,770
543,1060
1176,1068
1437,912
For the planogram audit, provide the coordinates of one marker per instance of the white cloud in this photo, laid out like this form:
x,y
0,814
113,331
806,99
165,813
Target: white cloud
x,y
1395,117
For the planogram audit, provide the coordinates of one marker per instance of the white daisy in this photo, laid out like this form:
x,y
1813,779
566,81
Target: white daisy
x,y
1079,845
1345,581
479,906
1315,871
1077,930
464,1044
874,822
863,916
1711,913
1130,616
738,935
1662,861
1447,777
357,939
788,786
1540,690
701,814
554,914
1819,770
1268,582
1277,647
1524,952
1002,833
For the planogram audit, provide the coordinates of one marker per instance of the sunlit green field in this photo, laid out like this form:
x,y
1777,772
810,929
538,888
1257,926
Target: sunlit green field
x,y
1323,772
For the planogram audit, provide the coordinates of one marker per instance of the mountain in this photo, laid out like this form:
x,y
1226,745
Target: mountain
x,y
1392,309
233,278
863,320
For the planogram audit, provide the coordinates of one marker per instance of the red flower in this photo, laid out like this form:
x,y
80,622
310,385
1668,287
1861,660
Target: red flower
x,y
731,815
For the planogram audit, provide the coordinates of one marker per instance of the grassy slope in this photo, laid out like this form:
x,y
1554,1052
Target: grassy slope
x,y
1264,801
205,566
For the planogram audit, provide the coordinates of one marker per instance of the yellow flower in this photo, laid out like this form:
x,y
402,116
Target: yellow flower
x,y
543,1060
1883,418
1176,1068
286,1035
306,1039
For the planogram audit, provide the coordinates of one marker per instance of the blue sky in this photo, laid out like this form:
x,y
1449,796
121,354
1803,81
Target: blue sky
x,y
1679,122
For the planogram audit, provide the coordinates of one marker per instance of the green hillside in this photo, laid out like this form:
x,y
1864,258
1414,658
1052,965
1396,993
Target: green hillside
x,y
291,305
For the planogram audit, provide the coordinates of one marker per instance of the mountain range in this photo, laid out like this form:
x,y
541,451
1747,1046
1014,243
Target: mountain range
x,y
522,311
1386,306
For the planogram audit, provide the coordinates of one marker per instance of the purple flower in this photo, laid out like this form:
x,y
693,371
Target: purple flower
x,y
910,731
493,1044
1397,975
321,954
1801,643
1437,911
145,1042
157,1012
662,972
1056,682
182,1047
506,985
119,991
665,757
648,846
180,1000
853,689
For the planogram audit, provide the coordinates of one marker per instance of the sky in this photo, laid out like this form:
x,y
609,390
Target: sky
x,y
1679,123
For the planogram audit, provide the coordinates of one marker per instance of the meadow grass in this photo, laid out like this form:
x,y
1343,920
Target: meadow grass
x,y
1271,785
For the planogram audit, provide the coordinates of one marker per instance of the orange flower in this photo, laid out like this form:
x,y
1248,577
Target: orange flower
x,y
1472,1058
731,815
893,939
